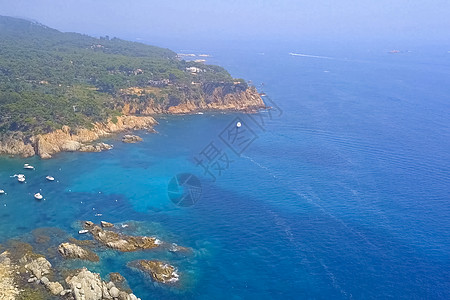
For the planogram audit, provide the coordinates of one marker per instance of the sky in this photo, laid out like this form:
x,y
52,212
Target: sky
x,y
419,20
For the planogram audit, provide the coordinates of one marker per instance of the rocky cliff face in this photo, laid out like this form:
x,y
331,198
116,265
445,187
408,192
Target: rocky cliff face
x,y
218,97
63,140
66,139
16,144
221,99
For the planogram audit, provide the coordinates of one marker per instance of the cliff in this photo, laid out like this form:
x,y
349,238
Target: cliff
x,y
247,100
71,139
66,139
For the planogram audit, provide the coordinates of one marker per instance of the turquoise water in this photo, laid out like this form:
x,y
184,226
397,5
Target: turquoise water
x,y
344,195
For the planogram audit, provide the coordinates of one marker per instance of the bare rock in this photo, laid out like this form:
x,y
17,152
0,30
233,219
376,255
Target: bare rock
x,y
160,271
8,289
86,285
114,292
16,144
121,242
68,250
129,138
39,267
98,147
54,287
106,224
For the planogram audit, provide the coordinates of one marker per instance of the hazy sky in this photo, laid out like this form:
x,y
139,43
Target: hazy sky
x,y
243,19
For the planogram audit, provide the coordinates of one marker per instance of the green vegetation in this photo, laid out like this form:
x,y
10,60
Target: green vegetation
x,y
49,78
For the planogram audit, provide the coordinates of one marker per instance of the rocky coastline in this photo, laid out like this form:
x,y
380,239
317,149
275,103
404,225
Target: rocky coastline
x,y
69,139
26,273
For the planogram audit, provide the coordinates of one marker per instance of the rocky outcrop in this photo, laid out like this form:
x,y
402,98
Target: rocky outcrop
x,y
66,140
121,242
86,285
158,270
68,250
219,98
16,144
131,139
106,224
38,267
53,287
98,147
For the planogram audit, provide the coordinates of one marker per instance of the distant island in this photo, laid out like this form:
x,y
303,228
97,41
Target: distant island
x,y
62,91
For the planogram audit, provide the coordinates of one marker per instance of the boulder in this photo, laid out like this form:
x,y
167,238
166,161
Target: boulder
x,y
54,287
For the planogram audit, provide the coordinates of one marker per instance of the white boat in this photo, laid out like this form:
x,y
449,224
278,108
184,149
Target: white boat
x,y
2,192
50,178
28,167
238,124
38,196
83,231
20,177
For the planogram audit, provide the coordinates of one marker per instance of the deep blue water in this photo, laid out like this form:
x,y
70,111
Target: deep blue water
x,y
345,194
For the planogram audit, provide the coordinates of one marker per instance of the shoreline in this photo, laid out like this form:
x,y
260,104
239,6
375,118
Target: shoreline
x,y
68,139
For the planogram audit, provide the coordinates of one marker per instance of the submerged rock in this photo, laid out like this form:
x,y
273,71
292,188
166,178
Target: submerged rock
x,y
121,242
176,248
68,250
116,277
160,271
129,138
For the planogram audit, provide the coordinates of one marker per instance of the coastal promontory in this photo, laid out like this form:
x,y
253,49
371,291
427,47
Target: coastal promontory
x,y
63,91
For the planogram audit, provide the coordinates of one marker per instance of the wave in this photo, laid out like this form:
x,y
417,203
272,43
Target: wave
x,y
312,56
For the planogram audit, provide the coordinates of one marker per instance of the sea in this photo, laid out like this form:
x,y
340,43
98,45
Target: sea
x,y
340,191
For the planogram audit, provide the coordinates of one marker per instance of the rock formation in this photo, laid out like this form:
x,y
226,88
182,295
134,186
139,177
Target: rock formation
x,y
106,224
158,270
86,285
121,242
8,289
136,117
65,140
129,138
68,250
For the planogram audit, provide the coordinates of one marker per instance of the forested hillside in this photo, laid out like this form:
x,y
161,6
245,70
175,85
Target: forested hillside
x,y
49,78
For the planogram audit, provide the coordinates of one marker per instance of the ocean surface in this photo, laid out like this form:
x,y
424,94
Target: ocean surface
x,y
342,191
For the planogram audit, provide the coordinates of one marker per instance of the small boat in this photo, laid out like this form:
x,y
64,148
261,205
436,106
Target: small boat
x,y
20,178
50,178
38,196
2,192
28,167
238,124
83,231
